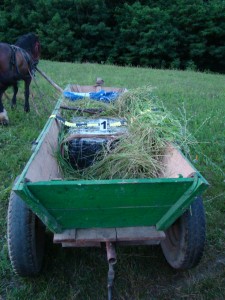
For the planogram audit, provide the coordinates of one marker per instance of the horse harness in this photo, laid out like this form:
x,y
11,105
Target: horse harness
x,y
30,62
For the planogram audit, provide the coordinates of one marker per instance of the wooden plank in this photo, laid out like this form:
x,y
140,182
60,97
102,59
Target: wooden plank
x,y
113,217
92,88
96,234
44,165
85,235
139,243
142,233
93,236
36,168
90,194
81,245
109,203
78,88
66,235
176,164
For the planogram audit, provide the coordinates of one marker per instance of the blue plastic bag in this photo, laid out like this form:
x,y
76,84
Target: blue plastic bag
x,y
102,95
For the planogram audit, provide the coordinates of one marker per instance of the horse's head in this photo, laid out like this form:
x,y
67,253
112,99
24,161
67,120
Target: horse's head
x,y
30,42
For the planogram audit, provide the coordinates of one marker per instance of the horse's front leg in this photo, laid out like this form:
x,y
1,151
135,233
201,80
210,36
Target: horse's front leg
x,y
27,94
3,113
15,90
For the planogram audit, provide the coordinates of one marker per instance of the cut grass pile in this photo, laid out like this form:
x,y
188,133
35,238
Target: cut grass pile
x,y
139,152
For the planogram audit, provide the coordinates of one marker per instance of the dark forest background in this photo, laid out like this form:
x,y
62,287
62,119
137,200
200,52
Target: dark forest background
x,y
180,34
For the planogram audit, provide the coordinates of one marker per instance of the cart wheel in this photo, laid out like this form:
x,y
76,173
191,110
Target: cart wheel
x,y
26,238
185,239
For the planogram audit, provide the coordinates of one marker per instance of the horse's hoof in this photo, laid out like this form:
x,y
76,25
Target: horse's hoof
x,y
4,123
4,120
27,109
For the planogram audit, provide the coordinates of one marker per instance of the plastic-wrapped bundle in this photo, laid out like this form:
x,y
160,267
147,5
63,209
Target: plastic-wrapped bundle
x,y
90,138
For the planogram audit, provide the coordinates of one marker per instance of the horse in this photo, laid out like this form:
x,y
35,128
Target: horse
x,y
18,62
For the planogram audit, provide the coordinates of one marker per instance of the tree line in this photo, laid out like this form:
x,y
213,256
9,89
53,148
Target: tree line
x,y
181,34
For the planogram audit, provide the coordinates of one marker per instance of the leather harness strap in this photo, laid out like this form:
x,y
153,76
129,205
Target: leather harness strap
x,y
13,62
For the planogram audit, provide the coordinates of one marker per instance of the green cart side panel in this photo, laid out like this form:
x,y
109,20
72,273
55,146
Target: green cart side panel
x,y
182,204
114,217
110,203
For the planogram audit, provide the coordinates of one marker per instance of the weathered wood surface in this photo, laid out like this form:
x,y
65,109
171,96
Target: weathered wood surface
x,y
142,233
93,88
44,165
92,237
176,164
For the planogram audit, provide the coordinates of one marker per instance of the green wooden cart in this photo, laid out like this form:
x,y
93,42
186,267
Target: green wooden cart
x,y
85,213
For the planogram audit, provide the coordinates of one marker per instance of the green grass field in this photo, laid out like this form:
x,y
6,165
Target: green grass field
x,y
141,272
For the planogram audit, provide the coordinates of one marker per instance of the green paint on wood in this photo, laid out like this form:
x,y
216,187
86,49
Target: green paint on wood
x,y
113,217
75,195
110,203
181,204
36,206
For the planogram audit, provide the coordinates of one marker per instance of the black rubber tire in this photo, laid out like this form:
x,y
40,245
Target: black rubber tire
x,y
185,239
26,238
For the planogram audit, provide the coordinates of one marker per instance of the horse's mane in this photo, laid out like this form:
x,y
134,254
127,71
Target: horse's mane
x,y
27,41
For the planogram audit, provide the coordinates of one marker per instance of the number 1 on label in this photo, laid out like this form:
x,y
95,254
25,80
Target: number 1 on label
x,y
103,125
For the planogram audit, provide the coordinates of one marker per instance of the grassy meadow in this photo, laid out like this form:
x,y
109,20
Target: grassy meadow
x,y
198,100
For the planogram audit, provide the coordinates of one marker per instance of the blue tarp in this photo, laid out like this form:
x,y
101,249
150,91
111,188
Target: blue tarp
x,y
102,95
